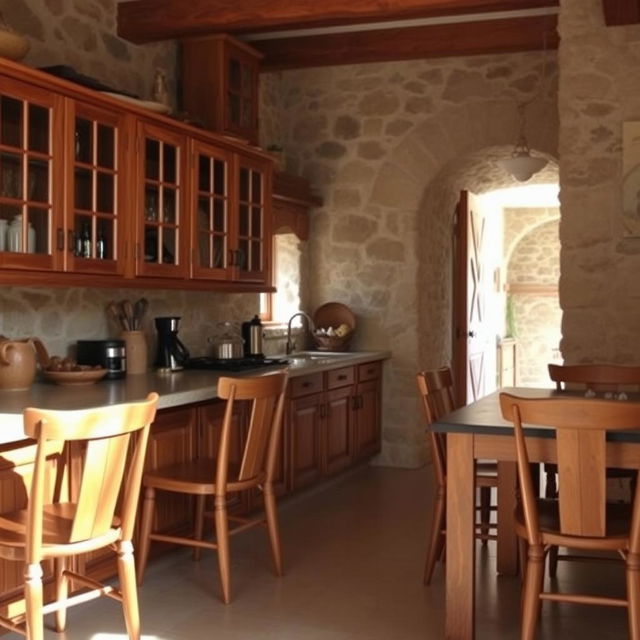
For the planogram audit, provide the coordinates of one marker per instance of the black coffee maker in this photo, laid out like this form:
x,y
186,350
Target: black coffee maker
x,y
172,354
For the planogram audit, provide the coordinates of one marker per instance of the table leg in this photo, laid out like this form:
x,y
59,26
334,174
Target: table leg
x,y
507,560
460,571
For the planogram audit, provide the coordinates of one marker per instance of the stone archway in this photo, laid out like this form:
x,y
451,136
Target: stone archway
x,y
388,146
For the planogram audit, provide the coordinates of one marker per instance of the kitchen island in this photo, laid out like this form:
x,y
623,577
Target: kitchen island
x,y
332,423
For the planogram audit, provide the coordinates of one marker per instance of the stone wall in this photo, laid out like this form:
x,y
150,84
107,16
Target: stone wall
x,y
388,146
82,34
599,284
533,259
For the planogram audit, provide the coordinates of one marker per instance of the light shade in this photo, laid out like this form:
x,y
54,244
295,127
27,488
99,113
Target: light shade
x,y
521,165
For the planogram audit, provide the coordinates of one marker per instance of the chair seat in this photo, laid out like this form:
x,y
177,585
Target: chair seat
x,y
57,523
196,477
618,516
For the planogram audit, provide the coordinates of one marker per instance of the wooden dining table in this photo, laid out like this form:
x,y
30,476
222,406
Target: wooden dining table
x,y
478,432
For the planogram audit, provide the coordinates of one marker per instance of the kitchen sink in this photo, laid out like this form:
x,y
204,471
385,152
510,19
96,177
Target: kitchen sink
x,y
300,358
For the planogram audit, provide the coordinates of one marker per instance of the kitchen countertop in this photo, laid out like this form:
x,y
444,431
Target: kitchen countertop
x,y
175,389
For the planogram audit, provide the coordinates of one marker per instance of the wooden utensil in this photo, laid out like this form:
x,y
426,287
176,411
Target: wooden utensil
x,y
127,314
114,313
139,311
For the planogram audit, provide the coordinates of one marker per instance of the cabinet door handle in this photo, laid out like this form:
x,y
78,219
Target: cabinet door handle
x,y
231,253
306,384
323,410
354,403
342,377
60,239
360,401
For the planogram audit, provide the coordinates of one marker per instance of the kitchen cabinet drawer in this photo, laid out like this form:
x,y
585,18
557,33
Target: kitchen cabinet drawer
x,y
304,385
369,371
340,377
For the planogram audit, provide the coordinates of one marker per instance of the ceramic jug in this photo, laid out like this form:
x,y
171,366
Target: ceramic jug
x,y
18,362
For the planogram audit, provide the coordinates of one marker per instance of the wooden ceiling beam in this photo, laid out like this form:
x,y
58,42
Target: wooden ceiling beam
x,y
435,41
621,12
151,20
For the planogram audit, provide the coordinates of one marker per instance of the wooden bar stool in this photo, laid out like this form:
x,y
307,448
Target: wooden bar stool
x,y
217,478
55,527
436,393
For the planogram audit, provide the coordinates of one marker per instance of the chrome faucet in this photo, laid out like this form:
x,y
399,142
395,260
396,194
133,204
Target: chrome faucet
x,y
290,345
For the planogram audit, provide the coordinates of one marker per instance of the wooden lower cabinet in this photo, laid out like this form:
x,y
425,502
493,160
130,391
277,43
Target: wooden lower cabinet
x,y
304,424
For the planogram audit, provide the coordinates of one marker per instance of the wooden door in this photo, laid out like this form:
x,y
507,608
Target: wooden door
x,y
304,427
368,417
96,219
162,219
338,429
31,177
470,340
252,220
212,250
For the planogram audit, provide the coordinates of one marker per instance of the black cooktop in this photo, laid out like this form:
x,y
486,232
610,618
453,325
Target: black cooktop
x,y
232,364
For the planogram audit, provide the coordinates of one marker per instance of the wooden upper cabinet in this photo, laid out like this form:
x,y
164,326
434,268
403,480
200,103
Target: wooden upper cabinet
x,y
162,220
31,172
253,223
220,84
212,206
96,195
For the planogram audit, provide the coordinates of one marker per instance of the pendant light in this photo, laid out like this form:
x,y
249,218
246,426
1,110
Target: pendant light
x,y
522,165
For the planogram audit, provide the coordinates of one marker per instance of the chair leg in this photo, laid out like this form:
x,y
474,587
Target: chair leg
x,y
551,489
128,588
222,542
532,588
62,592
553,561
272,527
485,512
633,595
198,525
436,540
148,508
33,601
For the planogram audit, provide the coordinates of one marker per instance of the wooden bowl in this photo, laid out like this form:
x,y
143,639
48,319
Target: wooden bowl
x,y
84,377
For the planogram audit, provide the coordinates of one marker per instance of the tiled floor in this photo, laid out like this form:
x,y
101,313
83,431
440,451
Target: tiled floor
x,y
354,555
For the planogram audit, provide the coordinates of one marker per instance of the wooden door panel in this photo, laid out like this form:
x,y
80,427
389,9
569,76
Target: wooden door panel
x,y
304,432
339,445
368,418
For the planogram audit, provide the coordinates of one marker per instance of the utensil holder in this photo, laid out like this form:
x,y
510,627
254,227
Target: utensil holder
x,y
136,351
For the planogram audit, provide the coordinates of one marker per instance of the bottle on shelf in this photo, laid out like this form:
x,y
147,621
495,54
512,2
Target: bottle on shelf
x,y
14,236
86,241
101,244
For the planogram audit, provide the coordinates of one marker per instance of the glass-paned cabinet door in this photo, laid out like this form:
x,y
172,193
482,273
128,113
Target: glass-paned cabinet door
x,y
160,246
212,255
31,176
95,191
241,107
253,237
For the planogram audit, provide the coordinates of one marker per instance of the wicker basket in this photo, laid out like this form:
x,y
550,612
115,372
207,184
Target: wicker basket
x,y
333,314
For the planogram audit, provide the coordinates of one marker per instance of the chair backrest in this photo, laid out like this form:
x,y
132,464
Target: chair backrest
x,y
597,377
266,395
105,434
581,425
436,393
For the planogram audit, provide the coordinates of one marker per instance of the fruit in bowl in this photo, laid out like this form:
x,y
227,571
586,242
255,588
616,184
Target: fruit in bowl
x,y
68,372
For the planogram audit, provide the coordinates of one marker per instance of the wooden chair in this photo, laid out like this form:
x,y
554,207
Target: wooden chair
x,y
580,518
597,378
217,478
51,528
436,392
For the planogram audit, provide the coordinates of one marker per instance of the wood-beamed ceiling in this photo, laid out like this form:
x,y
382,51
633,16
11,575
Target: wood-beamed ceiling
x,y
444,27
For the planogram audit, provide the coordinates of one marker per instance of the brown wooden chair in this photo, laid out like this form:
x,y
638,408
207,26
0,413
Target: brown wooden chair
x,y
580,518
217,478
598,379
436,392
53,528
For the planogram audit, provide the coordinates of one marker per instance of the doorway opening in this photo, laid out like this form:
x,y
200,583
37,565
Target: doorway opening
x,y
517,280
